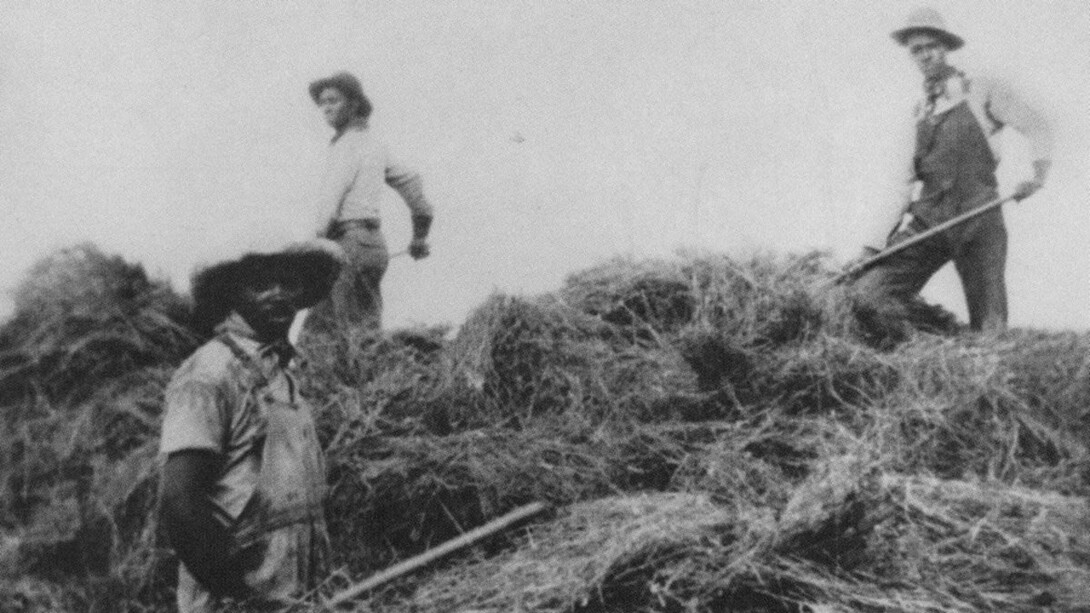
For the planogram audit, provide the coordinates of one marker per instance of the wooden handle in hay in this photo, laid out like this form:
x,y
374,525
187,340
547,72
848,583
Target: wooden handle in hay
x,y
408,566
917,238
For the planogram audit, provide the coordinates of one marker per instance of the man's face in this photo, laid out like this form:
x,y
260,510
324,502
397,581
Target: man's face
x,y
928,51
268,304
337,109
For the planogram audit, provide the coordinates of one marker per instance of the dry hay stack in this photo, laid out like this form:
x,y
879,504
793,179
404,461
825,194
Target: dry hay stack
x,y
803,465
844,542
389,384
533,357
714,434
652,295
609,550
529,357
763,301
1007,409
82,317
811,434
1050,376
402,495
825,375
991,546
83,363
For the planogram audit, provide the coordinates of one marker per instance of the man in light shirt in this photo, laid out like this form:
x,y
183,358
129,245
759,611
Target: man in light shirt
x,y
348,210
953,171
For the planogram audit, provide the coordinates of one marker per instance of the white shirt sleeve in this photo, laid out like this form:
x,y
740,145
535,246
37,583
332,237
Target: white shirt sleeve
x,y
195,418
1007,108
407,183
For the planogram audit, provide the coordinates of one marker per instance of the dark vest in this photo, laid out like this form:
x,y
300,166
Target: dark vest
x,y
954,163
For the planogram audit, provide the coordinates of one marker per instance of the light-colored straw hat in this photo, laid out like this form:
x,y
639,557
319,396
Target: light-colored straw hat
x,y
313,264
929,21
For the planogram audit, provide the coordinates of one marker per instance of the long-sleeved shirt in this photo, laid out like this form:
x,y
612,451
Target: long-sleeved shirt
x,y
360,167
995,105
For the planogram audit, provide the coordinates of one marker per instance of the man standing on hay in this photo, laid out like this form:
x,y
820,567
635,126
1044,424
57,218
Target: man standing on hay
x,y
244,479
360,165
953,169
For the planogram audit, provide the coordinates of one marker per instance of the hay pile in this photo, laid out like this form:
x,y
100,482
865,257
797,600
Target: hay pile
x,y
775,448
81,318
713,435
83,364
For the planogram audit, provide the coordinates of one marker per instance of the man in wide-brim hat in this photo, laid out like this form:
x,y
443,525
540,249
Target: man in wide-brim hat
x,y
952,171
360,168
311,268
243,477
347,85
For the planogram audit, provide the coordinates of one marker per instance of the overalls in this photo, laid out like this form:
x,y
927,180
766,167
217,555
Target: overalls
x,y
280,537
355,302
956,166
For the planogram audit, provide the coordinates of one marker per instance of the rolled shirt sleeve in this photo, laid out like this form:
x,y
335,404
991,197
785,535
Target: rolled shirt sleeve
x,y
1007,108
408,184
195,419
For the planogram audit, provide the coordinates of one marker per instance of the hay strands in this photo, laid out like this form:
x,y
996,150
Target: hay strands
x,y
496,525
859,267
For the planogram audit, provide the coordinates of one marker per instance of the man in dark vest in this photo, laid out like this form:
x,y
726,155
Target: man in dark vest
x,y
243,475
953,171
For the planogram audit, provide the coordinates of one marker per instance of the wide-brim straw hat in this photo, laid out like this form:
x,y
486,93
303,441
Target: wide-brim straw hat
x,y
348,85
314,265
927,21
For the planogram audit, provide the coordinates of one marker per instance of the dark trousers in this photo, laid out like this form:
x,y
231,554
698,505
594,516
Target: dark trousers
x,y
355,302
978,249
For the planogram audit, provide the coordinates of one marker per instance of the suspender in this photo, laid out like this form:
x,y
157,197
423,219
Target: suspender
x,y
253,530
251,364
246,359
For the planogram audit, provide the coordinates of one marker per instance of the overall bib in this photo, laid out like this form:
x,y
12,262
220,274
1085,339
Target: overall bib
x,y
280,537
956,166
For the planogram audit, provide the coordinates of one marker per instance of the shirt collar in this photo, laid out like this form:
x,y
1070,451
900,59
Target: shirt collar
x,y
943,91
246,338
935,86
357,124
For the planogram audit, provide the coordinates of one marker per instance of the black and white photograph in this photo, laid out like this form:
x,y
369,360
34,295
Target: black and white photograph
x,y
545,306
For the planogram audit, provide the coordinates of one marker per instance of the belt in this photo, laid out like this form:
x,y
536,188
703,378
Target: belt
x,y
347,224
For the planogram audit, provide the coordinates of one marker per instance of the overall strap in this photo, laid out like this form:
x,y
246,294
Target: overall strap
x,y
246,359
251,364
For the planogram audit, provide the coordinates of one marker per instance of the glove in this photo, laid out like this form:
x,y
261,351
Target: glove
x,y
419,248
1025,189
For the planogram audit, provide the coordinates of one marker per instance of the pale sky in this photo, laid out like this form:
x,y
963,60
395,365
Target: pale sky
x,y
551,135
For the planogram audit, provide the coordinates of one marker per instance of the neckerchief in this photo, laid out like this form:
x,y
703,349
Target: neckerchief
x,y
356,123
282,349
934,87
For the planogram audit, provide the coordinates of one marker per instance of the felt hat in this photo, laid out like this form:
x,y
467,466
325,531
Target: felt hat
x,y
348,85
314,265
927,21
